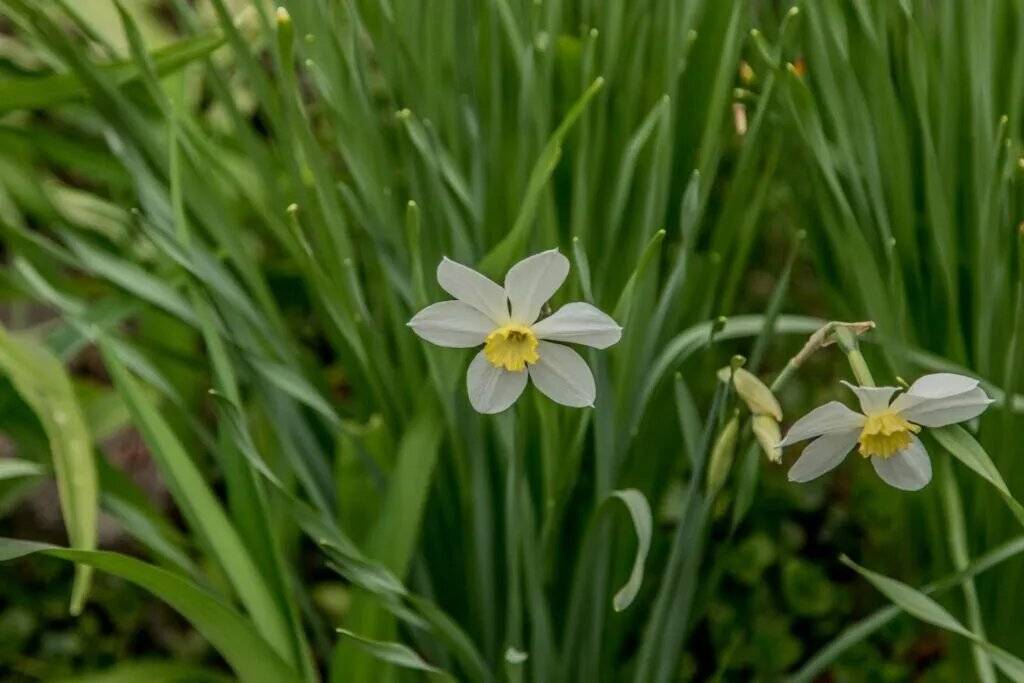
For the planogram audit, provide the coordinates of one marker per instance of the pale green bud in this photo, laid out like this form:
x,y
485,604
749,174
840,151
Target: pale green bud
x,y
768,435
756,394
722,454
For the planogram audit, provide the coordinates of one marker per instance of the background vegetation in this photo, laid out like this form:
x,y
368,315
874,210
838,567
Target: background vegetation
x,y
217,217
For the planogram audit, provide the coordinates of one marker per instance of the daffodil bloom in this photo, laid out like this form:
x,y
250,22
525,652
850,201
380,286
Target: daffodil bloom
x,y
517,344
885,430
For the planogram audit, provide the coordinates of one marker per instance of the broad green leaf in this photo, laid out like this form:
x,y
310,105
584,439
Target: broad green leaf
x,y
234,637
40,379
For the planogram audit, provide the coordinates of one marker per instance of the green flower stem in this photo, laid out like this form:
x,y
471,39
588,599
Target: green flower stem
x,y
847,340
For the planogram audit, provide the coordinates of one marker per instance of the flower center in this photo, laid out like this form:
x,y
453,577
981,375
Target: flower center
x,y
511,347
885,434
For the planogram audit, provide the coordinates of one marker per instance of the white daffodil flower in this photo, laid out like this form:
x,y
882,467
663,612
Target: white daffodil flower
x,y
516,344
885,431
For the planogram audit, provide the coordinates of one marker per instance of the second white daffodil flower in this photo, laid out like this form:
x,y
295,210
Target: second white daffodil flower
x,y
516,344
885,430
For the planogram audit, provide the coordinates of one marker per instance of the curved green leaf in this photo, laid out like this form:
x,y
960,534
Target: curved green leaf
x,y
640,513
226,630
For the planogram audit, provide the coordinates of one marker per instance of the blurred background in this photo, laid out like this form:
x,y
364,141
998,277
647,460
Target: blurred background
x,y
224,195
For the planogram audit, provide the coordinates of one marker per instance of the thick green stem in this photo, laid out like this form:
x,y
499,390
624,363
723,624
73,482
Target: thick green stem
x,y
847,340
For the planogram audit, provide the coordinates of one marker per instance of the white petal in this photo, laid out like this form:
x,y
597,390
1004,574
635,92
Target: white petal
x,y
826,419
563,376
491,389
452,323
469,286
939,412
532,281
822,455
908,470
941,385
579,323
872,399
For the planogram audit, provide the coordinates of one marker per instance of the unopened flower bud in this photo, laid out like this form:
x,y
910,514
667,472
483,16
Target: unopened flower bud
x,y
756,394
722,454
768,435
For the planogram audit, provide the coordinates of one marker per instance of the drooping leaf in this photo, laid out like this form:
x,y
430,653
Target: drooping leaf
x,y
234,637
640,514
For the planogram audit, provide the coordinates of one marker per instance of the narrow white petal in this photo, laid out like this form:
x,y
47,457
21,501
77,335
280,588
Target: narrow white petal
x,y
491,389
563,376
908,470
579,323
826,419
939,412
452,323
942,385
872,399
823,455
470,287
532,281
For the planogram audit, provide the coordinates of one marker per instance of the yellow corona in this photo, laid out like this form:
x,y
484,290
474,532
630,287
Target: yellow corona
x,y
886,433
511,347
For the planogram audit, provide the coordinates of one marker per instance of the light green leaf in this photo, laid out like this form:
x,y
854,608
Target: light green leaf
x,y
12,468
40,379
640,514
965,448
392,653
